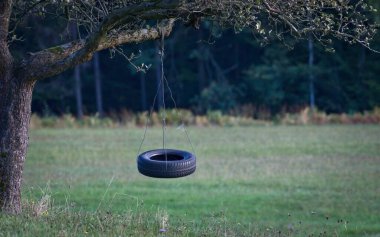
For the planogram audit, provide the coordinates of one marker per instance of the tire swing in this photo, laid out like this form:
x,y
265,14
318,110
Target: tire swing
x,y
165,163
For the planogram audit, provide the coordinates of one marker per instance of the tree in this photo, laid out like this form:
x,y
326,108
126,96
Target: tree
x,y
98,86
78,91
160,86
77,78
107,24
311,73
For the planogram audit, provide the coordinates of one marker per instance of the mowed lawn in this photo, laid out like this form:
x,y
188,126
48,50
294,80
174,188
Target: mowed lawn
x,y
285,180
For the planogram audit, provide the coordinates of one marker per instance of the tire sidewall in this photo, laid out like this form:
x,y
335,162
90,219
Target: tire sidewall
x,y
166,169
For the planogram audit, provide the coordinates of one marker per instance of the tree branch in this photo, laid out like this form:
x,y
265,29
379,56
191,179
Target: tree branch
x,y
278,14
55,60
109,29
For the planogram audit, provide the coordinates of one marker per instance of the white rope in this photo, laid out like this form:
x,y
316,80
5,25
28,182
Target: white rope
x,y
148,117
182,126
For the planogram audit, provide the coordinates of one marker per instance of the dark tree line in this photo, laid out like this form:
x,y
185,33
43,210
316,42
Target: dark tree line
x,y
210,70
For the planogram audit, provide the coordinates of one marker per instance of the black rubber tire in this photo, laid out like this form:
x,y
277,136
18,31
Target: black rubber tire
x,y
166,163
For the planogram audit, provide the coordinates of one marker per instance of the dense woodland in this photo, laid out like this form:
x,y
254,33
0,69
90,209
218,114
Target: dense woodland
x,y
208,69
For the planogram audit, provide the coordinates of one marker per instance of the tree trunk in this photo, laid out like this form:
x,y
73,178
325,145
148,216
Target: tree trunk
x,y
77,78
311,74
201,63
160,95
98,86
15,110
143,91
78,92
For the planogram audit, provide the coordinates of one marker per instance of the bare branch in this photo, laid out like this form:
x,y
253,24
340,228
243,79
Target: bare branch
x,y
278,14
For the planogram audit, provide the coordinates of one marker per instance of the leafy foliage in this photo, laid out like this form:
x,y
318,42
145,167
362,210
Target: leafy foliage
x,y
218,96
269,77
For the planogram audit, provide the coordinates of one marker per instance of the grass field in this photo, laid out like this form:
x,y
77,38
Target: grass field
x,y
253,181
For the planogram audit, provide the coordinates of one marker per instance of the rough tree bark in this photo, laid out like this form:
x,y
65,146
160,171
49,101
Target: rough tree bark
x,y
15,110
15,104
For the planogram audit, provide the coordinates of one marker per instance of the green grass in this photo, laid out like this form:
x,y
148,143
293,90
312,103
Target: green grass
x,y
297,180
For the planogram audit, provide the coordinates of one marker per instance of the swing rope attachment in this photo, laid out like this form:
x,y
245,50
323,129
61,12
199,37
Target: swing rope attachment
x,y
165,163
